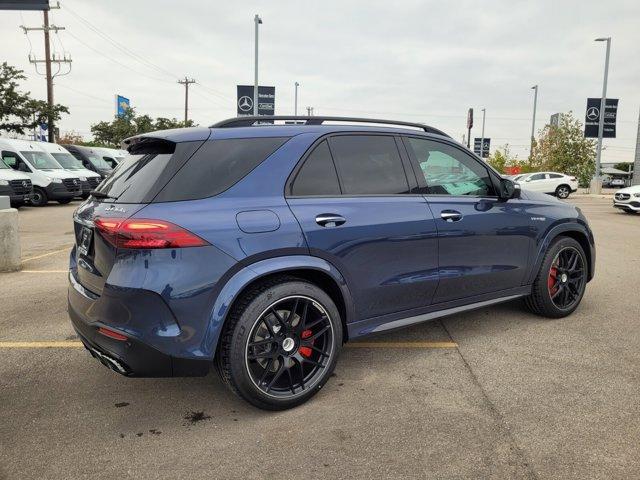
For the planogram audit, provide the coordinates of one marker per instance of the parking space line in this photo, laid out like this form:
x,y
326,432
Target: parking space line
x,y
44,271
66,249
402,345
76,344
61,344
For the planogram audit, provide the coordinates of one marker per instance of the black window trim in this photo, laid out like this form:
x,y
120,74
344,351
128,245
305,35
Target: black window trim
x,y
492,174
294,173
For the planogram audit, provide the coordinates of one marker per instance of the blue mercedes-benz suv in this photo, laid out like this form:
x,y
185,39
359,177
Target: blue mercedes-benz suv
x,y
262,248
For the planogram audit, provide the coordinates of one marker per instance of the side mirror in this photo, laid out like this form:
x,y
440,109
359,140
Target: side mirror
x,y
509,189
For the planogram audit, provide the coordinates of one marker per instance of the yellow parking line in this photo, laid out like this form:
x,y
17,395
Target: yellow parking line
x,y
66,249
402,345
64,344
44,271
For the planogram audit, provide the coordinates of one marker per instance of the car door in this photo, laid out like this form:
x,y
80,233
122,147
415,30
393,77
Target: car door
x,y
536,182
483,241
359,210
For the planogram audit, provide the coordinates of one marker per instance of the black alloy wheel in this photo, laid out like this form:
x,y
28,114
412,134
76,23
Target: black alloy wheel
x,y
567,276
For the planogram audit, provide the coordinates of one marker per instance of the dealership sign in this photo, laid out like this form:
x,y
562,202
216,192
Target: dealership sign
x,y
266,100
122,104
485,146
592,118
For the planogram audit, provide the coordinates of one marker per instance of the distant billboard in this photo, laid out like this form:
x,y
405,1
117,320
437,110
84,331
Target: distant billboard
x,y
24,4
486,145
592,118
122,104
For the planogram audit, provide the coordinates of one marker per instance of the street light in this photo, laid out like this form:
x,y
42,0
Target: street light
x,y
257,20
533,123
603,103
295,102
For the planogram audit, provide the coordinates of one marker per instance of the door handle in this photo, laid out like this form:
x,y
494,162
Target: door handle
x,y
329,220
450,215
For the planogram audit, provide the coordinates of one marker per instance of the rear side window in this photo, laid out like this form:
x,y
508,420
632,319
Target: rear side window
x,y
217,166
537,176
369,165
555,175
318,174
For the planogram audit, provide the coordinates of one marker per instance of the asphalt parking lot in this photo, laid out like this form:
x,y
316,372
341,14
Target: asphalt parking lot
x,y
495,393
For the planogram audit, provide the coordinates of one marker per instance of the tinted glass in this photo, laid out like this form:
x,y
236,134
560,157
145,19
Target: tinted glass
x,y
217,166
448,170
368,165
8,158
41,160
67,161
555,175
536,176
318,174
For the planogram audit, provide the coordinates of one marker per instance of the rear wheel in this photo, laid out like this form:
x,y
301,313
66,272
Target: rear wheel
x,y
563,191
561,281
39,197
280,343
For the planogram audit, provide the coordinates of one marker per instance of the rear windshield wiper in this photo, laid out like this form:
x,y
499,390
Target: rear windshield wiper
x,y
98,194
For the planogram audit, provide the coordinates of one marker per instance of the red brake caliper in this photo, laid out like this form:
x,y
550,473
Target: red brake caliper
x,y
551,281
305,351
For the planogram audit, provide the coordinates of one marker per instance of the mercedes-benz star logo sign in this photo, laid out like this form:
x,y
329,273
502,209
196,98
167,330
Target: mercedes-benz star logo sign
x,y
245,103
24,183
593,113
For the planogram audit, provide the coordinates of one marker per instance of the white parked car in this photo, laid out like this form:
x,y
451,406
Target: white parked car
x,y
617,183
628,199
552,183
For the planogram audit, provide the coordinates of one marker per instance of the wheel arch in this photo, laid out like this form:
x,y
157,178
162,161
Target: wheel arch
x,y
574,230
313,269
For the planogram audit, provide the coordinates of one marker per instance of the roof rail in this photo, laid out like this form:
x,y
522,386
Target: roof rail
x,y
249,121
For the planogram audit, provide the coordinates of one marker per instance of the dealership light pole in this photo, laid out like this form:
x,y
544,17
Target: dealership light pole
x,y
533,122
603,103
295,101
484,113
257,20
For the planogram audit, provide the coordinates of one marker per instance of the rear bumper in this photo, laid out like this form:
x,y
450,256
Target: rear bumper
x,y
133,356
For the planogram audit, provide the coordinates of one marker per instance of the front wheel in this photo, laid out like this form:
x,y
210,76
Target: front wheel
x,y
561,281
280,343
563,191
39,197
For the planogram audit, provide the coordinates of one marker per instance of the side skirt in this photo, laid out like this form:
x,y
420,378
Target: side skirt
x,y
412,317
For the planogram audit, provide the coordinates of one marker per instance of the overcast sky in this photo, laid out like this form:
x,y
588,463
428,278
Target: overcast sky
x,y
424,61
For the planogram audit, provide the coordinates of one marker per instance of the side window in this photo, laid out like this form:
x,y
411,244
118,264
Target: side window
x,y
10,158
450,171
555,175
369,165
318,174
536,176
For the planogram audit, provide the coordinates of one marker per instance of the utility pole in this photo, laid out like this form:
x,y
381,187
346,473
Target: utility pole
x,y
258,21
48,60
309,111
186,82
484,113
533,122
295,102
636,163
603,103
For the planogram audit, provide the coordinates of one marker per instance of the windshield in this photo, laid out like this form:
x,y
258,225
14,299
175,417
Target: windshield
x,y
41,160
67,161
98,161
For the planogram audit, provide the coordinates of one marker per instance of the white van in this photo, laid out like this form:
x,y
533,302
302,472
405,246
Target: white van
x,y
88,178
50,181
15,185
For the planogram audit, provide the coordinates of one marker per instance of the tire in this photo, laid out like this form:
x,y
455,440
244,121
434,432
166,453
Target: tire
x,y
553,283
563,191
39,197
273,359
64,201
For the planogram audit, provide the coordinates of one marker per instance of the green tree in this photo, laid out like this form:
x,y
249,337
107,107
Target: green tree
x,y
111,134
18,111
624,166
502,158
565,149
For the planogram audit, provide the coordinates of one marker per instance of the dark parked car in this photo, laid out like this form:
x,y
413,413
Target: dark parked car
x,y
261,249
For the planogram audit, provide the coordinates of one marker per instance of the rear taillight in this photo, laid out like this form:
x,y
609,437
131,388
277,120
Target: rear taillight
x,y
146,233
573,179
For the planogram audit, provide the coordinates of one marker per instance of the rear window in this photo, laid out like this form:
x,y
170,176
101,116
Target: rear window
x,y
217,166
